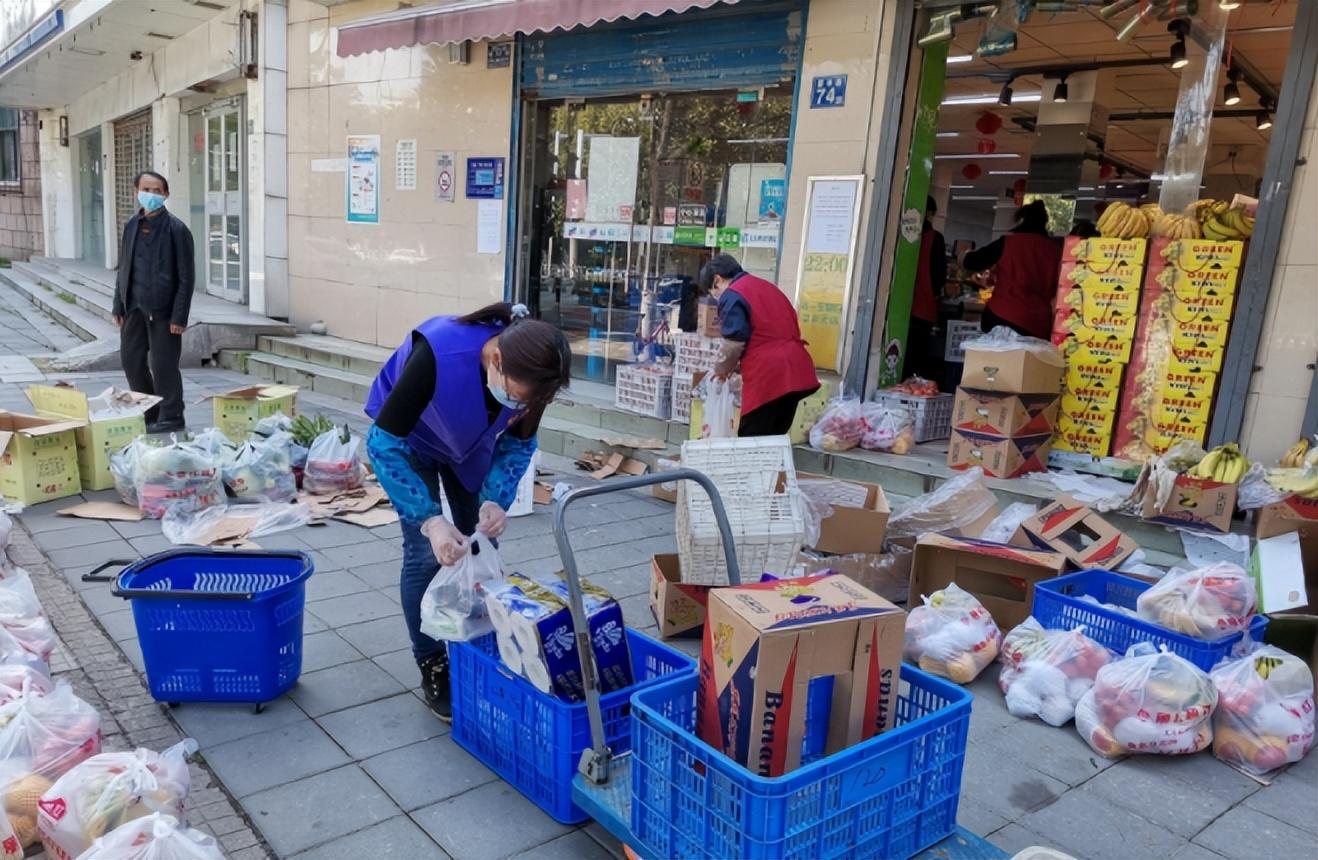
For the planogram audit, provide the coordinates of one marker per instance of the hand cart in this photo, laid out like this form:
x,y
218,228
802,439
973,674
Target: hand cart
x,y
603,784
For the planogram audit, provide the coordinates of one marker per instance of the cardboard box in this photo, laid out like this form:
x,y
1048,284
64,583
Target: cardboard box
x,y
775,651
1086,539
992,413
40,458
858,527
1195,254
707,321
1001,576
1015,371
1104,252
668,489
1194,504
98,438
1298,515
678,607
887,574
1088,347
238,410
999,456
1083,437
1277,566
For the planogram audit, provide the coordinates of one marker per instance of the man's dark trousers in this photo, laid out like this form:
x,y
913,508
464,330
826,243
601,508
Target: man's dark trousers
x,y
150,355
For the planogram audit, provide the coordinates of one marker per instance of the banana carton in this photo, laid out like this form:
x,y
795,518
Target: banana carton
x,y
1094,383
1205,358
1201,331
1193,255
1083,437
1192,385
1086,346
1194,503
1105,251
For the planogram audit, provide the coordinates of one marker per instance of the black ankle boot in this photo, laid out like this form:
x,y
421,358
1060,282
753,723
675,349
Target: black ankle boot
x,y
435,685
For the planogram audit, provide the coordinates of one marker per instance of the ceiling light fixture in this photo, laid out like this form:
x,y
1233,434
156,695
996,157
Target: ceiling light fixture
x,y
1231,91
1263,119
973,197
1004,97
1228,5
960,58
1009,173
1060,92
990,99
948,134
1177,56
977,156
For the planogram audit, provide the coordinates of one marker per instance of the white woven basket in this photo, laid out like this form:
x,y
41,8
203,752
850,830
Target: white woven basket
x,y
646,389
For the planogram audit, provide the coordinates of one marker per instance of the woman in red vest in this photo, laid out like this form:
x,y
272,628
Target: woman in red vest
x,y
761,334
1028,263
930,280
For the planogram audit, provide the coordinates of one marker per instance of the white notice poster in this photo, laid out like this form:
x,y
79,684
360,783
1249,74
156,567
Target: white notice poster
x,y
611,179
832,206
405,165
489,226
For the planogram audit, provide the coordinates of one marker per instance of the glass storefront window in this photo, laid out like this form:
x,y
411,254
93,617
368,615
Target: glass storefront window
x,y
631,196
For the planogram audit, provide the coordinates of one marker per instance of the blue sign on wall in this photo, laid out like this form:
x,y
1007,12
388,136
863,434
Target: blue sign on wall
x,y
828,91
773,199
485,178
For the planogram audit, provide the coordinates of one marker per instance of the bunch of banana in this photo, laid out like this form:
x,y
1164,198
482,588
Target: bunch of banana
x,y
1224,464
1297,482
1294,456
1202,210
1122,221
1175,226
1152,211
1231,224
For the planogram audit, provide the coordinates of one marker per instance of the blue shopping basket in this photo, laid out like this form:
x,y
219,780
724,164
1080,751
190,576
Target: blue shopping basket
x,y
219,625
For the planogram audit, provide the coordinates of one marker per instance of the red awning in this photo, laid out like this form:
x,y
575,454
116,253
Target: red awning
x,y
475,20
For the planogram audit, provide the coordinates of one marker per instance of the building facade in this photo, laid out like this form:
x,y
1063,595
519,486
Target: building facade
x,y
20,185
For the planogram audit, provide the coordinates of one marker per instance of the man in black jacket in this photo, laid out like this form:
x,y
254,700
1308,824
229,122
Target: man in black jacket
x,y
152,297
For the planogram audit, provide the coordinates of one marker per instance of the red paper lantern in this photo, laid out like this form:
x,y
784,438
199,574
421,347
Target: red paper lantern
x,y
987,145
988,123
972,171
1018,186
1104,171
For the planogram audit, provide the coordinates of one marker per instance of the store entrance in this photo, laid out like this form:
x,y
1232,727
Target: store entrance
x,y
629,196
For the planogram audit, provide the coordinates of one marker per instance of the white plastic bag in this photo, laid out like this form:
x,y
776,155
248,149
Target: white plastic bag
x,y
1005,339
453,607
6,526
41,738
955,504
1149,702
183,475
22,621
1005,524
1264,716
1254,491
123,468
952,635
1045,672
109,790
20,672
221,524
334,463
887,428
1208,602
720,415
262,470
154,837
841,426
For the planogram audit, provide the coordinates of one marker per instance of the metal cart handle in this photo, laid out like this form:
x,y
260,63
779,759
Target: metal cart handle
x,y
594,764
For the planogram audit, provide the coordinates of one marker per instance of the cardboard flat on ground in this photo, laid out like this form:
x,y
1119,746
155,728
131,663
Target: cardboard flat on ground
x,y
103,511
1086,539
852,528
40,458
634,443
1194,504
607,465
1014,371
542,494
374,518
767,645
1001,576
678,607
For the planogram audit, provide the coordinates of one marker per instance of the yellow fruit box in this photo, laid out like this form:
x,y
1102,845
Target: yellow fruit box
x,y
1119,278
1092,347
1100,381
1182,417
238,410
1102,252
1203,331
1202,358
1190,385
1111,313
1092,410
1203,306
1083,437
1194,255
110,421
1205,282
40,458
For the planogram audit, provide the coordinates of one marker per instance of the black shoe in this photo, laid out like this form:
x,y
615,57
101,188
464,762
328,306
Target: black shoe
x,y
156,427
435,685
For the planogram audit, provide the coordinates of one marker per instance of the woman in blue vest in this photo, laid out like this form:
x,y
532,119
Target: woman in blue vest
x,y
458,406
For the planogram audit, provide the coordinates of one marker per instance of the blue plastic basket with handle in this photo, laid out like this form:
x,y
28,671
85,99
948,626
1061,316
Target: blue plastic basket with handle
x,y
218,625
1059,604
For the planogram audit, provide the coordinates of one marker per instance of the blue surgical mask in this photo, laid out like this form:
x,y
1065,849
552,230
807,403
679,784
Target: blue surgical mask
x,y
150,201
499,393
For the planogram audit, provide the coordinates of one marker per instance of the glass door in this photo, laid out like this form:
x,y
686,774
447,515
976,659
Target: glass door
x,y
225,272
91,197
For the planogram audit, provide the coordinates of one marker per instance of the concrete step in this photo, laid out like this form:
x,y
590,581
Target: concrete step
x,y
311,377
101,283
325,351
63,289
85,324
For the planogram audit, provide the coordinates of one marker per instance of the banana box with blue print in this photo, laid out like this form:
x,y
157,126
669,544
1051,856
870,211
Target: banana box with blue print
x,y
796,669
533,629
111,420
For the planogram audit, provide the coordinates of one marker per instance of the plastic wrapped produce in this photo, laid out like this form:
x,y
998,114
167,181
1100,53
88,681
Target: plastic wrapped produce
x,y
453,606
41,738
887,429
1045,672
952,635
184,475
1149,702
155,837
1209,602
1264,716
262,470
841,426
22,622
955,504
109,790
123,468
334,463
21,671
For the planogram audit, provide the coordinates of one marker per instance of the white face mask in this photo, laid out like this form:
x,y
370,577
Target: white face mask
x,y
499,393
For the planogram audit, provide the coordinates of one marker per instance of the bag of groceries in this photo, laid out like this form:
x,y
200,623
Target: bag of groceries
x,y
1045,672
109,790
154,837
1208,602
41,738
952,635
1264,716
841,426
887,428
262,470
183,475
23,625
1148,702
20,672
334,463
453,606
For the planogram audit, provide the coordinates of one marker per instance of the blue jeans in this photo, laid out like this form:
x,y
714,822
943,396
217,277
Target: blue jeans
x,y
419,562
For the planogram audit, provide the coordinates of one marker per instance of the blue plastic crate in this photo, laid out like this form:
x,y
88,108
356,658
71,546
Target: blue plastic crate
x,y
534,740
1058,606
892,796
218,625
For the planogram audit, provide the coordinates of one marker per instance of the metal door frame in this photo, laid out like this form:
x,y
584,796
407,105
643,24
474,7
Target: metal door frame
x,y
85,205
236,105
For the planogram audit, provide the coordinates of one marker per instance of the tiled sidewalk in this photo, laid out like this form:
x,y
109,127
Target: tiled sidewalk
x,y
351,764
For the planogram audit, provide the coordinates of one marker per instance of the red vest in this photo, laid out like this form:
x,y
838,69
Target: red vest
x,y
1026,282
924,305
775,362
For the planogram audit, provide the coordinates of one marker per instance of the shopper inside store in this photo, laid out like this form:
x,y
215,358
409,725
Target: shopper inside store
x,y
1027,262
